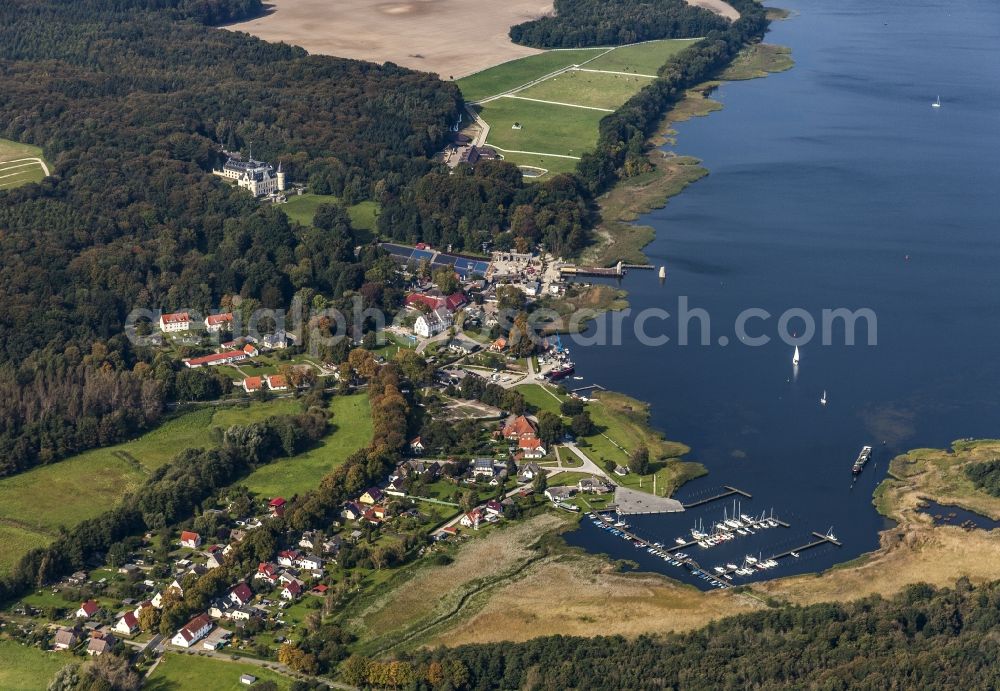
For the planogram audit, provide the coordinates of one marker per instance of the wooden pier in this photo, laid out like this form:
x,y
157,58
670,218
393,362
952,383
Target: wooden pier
x,y
589,387
730,491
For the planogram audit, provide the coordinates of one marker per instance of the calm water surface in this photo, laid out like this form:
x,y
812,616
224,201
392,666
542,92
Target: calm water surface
x,y
823,180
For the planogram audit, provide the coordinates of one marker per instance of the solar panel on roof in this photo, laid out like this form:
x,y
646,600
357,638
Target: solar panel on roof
x,y
420,255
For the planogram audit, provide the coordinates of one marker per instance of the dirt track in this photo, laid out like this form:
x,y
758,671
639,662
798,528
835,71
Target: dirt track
x,y
452,38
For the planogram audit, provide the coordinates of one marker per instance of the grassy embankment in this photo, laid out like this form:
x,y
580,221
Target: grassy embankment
x,y
14,170
557,106
34,504
618,237
623,425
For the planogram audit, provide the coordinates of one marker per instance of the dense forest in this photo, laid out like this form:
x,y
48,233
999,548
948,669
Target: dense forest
x,y
130,100
582,23
985,476
922,638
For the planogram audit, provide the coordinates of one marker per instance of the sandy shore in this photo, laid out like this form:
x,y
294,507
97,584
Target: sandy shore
x,y
717,6
452,38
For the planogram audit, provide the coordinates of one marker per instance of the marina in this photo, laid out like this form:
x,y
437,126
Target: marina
x,y
730,491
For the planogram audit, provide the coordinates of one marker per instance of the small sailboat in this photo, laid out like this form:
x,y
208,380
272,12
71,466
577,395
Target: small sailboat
x,y
937,103
794,554
822,400
795,356
663,272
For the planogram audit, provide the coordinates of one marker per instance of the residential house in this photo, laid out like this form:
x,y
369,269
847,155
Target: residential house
x,y
190,540
275,341
277,507
499,345
267,572
157,600
462,345
309,539
352,511
396,487
250,350
332,545
288,557
417,446
432,323
292,590
65,639
472,519
531,447
621,470
88,610
557,494
214,323
253,384
319,590
372,495
176,321
241,594
277,382
483,467
193,631
214,559
528,472
593,485
310,562
100,643
499,479
128,624
493,507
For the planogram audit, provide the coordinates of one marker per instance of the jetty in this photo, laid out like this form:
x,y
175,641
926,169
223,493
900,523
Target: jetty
x,y
729,491
589,387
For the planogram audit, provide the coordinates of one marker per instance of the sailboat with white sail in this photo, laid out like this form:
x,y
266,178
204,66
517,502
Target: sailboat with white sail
x,y
822,400
795,357
937,103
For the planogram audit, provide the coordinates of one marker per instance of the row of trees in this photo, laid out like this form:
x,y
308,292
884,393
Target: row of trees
x,y
921,638
580,23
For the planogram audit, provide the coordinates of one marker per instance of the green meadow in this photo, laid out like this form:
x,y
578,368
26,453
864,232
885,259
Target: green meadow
x,y
545,128
34,504
15,172
177,672
510,75
29,669
302,209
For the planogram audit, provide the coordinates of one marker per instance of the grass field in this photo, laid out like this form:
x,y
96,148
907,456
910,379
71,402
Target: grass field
x,y
35,503
29,669
178,672
558,99
545,128
351,427
593,89
510,75
302,208
14,171
641,58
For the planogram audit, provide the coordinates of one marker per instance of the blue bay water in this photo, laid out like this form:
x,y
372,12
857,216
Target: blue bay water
x,y
823,180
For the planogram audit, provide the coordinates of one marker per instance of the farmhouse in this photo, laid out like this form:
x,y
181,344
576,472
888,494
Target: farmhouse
x,y
177,321
259,177
193,631
214,323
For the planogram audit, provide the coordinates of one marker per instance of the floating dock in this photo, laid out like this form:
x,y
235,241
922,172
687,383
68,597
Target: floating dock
x,y
730,491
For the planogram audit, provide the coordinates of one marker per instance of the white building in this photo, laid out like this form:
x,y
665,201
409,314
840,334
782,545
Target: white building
x,y
257,176
215,323
432,323
177,321
193,631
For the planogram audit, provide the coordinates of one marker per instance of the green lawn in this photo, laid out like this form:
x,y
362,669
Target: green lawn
x,y
351,427
302,208
27,669
588,89
641,58
510,75
20,173
545,128
35,503
177,672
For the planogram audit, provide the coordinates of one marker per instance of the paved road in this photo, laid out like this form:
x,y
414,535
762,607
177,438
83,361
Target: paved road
x,y
588,465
